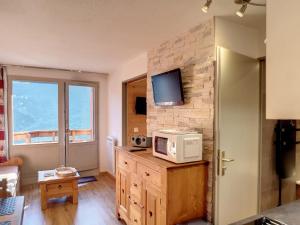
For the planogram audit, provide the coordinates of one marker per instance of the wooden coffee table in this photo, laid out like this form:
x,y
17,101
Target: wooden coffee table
x,y
53,186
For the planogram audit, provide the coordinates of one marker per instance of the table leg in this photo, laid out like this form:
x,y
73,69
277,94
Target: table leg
x,y
43,196
75,192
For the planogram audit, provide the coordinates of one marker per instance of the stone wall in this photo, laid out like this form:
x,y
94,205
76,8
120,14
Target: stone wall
x,y
193,52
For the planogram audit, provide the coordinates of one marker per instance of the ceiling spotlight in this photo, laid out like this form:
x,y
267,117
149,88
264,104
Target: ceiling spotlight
x,y
242,10
206,6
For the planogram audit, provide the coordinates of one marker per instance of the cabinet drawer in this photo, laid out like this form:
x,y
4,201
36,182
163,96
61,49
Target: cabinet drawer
x,y
59,188
149,175
136,202
135,215
126,163
136,187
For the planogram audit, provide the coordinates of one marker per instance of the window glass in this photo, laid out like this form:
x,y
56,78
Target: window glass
x,y
81,113
35,112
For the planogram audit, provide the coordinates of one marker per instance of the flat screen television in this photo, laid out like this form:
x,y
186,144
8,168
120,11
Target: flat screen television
x,y
141,105
167,88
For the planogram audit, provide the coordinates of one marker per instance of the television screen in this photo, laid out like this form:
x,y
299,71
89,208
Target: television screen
x,y
167,88
141,105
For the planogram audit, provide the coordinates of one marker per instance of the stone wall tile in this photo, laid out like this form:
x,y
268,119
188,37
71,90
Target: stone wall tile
x,y
193,52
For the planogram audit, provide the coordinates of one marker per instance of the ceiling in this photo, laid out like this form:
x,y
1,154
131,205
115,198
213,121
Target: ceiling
x,y
99,35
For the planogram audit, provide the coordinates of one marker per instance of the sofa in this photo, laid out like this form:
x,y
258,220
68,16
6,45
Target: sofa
x,y
10,177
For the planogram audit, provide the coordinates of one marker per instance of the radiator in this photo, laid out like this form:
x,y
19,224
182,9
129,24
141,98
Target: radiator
x,y
110,143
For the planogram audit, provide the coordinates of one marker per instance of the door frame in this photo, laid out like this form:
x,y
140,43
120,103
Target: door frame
x,y
124,104
217,141
61,115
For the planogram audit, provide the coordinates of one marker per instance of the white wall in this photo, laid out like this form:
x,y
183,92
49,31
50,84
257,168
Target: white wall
x,y
82,76
283,48
239,38
127,71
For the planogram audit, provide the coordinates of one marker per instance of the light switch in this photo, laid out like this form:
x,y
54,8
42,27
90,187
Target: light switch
x,y
136,130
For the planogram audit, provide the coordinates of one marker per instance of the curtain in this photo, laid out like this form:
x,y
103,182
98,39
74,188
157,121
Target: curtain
x,y
3,124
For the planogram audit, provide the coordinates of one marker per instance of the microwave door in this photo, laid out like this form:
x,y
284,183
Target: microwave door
x,y
161,145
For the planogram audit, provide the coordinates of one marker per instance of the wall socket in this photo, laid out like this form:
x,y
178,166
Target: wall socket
x,y
136,130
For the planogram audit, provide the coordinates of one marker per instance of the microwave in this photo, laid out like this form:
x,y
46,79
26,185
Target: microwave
x,y
177,146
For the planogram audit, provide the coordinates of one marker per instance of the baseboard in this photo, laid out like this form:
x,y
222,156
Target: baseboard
x,y
106,173
87,173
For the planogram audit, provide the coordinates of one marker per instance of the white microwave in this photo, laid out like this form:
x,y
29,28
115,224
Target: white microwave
x,y
177,146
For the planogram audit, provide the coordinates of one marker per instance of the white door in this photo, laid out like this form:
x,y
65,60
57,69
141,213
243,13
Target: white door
x,y
237,124
81,120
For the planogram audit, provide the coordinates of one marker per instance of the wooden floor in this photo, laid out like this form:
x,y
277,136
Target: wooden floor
x,y
96,206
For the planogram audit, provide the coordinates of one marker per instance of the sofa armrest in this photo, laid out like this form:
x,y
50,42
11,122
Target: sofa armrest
x,y
14,161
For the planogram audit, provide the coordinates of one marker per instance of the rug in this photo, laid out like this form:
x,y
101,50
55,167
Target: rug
x,y
83,180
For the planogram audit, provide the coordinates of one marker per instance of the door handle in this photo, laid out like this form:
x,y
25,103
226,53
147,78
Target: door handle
x,y
227,160
222,160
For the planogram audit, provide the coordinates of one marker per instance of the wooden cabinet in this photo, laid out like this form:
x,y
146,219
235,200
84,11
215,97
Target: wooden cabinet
x,y
153,206
122,192
152,191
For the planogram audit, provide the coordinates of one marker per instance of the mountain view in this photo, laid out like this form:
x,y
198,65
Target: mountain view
x,y
35,108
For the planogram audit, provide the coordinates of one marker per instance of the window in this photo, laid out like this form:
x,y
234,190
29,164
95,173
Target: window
x,y
81,113
35,112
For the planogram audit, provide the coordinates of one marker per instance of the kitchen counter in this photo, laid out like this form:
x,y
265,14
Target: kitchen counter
x,y
289,214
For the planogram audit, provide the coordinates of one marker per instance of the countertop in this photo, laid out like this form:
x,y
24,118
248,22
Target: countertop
x,y
289,214
148,156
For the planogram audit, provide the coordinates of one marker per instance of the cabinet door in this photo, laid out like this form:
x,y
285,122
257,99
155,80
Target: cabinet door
x,y
136,216
122,191
153,206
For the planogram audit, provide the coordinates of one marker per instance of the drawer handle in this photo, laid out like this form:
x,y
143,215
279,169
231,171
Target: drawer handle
x,y
135,220
125,162
147,174
59,186
123,191
135,202
135,185
150,213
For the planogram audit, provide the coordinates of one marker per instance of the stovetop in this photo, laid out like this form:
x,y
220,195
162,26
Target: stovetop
x,y
265,221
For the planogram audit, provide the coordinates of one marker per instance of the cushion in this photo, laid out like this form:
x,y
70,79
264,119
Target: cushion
x,y
11,173
3,159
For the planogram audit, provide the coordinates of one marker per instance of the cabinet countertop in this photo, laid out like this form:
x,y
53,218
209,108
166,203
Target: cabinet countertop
x,y
148,156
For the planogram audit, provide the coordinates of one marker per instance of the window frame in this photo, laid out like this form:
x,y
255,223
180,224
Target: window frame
x,y
95,108
61,110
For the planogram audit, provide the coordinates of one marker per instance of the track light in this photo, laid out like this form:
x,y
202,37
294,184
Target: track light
x,y
242,10
206,6
243,3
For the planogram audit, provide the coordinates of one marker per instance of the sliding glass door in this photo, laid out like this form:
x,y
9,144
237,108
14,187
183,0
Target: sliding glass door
x,y
81,132
52,123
